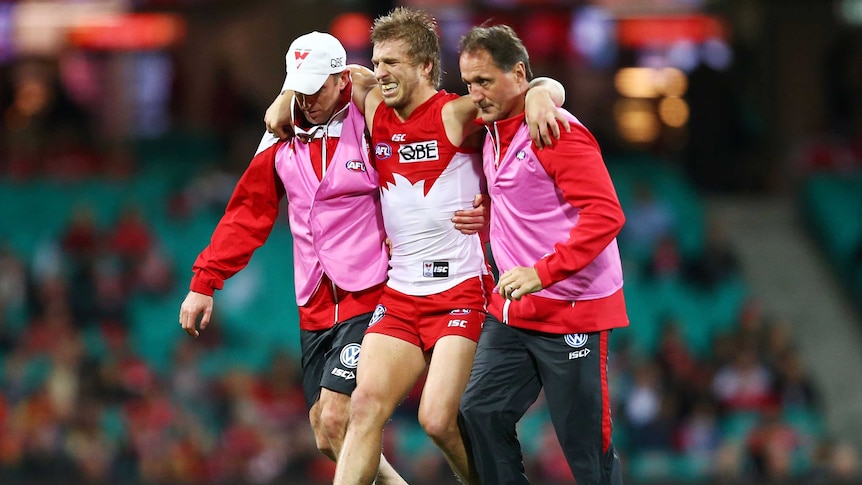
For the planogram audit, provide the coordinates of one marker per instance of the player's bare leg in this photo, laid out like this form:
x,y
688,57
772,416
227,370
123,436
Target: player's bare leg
x,y
447,378
388,369
329,420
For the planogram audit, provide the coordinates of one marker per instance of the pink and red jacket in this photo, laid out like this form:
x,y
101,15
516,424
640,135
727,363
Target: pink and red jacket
x,y
555,210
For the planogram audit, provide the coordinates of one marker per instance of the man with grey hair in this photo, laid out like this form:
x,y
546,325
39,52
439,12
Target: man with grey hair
x,y
553,226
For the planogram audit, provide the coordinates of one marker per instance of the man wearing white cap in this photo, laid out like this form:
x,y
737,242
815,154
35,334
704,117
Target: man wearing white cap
x,y
340,259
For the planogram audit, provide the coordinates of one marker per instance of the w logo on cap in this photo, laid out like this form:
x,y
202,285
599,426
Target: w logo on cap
x,y
300,56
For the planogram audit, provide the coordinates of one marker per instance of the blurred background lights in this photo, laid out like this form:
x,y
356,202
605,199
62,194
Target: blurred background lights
x,y
673,112
593,35
636,82
353,29
636,120
717,54
644,82
684,55
671,82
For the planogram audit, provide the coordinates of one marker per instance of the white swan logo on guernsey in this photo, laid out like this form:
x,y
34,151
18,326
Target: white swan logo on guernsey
x,y
355,165
521,155
576,339
382,151
378,315
350,355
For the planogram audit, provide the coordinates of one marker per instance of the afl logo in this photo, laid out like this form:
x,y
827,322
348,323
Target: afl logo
x,y
382,151
576,339
356,166
460,311
521,155
350,355
378,315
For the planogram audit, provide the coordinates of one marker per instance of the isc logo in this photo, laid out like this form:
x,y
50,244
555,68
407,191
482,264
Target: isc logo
x,y
457,323
424,151
382,151
356,166
577,354
346,374
399,137
435,269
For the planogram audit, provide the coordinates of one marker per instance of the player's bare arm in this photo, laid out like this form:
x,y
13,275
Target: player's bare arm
x,y
366,92
543,98
543,118
279,118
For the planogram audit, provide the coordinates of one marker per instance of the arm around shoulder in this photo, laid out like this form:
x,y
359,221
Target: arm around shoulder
x,y
278,117
541,111
366,95
552,87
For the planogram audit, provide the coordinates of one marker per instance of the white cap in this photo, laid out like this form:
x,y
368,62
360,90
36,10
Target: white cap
x,y
310,60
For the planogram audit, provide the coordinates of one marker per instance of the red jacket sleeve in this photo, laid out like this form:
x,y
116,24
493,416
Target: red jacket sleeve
x,y
576,165
245,226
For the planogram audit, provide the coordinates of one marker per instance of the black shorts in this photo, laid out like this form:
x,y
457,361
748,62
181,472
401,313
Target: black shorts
x,y
329,357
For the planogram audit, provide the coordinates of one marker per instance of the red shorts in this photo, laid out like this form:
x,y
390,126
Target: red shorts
x,y
422,320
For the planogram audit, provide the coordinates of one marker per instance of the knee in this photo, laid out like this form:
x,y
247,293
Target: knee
x,y
440,425
367,409
321,438
333,420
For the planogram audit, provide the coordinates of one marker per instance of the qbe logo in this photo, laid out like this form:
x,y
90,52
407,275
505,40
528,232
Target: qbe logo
x,y
423,151
382,151
435,269
350,355
336,62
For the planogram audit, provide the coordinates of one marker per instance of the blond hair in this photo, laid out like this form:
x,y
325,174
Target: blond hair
x,y
417,29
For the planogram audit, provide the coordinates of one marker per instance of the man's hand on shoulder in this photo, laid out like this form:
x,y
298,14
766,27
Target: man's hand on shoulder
x,y
541,114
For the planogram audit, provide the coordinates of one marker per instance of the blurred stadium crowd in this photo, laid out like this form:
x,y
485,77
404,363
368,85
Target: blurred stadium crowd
x,y
99,384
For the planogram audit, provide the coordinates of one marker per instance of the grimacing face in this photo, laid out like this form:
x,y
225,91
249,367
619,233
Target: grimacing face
x,y
320,106
398,76
497,93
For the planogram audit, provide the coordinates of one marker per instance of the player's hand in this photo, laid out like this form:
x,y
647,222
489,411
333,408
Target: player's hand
x,y
519,281
543,117
471,221
194,305
277,117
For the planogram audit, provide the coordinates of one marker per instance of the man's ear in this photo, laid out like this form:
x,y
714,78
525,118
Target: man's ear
x,y
428,67
343,79
520,72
